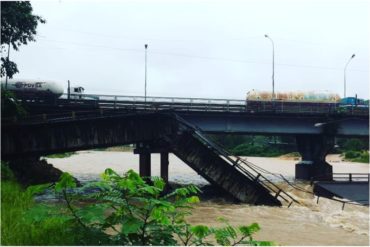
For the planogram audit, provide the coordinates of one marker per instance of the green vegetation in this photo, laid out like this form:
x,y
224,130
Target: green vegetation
x,y
121,210
18,27
124,148
61,155
10,107
254,150
17,228
354,149
248,145
129,210
357,156
353,144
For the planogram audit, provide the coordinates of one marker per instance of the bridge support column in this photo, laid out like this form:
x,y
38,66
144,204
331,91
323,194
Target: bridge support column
x,y
164,166
313,149
145,164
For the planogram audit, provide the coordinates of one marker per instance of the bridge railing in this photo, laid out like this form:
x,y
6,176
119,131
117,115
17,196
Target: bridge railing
x,y
217,105
56,117
153,99
343,177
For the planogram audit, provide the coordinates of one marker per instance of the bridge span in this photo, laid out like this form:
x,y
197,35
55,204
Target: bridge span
x,y
151,132
88,122
228,115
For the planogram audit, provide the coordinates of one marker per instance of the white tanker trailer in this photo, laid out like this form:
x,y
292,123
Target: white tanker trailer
x,y
34,89
39,89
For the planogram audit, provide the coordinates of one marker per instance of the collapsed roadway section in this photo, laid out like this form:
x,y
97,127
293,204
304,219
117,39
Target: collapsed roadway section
x,y
72,132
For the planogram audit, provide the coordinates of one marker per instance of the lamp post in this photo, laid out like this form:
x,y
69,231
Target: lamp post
x,y
345,68
146,49
273,66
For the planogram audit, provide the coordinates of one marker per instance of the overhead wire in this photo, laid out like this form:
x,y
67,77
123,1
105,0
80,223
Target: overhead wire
x,y
159,52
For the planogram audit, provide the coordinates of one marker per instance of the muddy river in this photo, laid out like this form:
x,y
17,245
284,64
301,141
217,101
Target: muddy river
x,y
311,223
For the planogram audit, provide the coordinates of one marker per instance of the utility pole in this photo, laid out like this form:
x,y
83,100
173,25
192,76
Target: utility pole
x,y
69,90
146,49
273,66
345,68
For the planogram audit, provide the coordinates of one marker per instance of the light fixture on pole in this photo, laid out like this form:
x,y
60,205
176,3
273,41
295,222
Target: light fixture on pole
x,y
146,49
345,68
273,66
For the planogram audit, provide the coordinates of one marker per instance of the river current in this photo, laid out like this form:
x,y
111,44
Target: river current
x,y
310,223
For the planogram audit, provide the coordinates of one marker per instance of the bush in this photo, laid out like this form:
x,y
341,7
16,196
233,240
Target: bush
x,y
357,156
119,210
128,210
352,154
10,107
254,150
17,228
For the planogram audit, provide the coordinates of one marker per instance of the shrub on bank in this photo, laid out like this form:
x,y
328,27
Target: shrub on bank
x,y
254,150
17,228
357,156
61,155
118,210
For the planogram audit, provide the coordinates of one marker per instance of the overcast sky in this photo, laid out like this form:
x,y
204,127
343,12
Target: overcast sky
x,y
212,49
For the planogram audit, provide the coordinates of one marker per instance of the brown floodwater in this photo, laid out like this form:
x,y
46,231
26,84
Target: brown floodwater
x,y
311,223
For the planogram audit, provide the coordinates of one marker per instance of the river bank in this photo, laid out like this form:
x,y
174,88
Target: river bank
x,y
307,224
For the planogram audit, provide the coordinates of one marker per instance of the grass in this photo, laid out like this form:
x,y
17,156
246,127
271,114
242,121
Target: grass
x,y
18,227
125,148
61,155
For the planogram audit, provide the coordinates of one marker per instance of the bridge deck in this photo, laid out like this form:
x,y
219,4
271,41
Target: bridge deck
x,y
350,186
356,192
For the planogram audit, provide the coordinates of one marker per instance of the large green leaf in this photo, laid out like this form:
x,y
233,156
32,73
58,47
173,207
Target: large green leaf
x,y
131,225
93,213
37,189
249,230
65,181
200,231
158,183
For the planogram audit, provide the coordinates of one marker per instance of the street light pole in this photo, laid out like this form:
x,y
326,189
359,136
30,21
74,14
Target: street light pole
x,y
345,68
146,49
273,66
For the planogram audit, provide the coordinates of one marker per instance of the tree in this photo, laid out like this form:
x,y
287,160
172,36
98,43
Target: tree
x,y
18,26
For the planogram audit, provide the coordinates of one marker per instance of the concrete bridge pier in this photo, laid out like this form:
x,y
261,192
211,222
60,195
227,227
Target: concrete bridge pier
x,y
145,150
145,165
313,149
164,166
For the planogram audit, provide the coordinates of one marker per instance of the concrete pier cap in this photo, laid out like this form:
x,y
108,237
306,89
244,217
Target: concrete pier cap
x,y
313,149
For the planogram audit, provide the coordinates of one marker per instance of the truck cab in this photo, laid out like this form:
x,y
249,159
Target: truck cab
x,y
76,92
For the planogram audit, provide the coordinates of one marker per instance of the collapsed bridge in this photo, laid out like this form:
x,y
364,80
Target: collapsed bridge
x,y
152,132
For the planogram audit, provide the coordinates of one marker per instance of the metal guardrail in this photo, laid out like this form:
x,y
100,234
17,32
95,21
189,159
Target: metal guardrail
x,y
236,162
156,104
58,117
150,103
153,99
343,177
